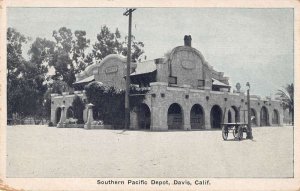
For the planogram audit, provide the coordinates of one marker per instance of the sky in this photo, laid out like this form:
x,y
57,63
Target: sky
x,y
247,44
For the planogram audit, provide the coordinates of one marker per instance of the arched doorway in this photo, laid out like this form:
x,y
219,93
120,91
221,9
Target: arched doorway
x,y
236,114
70,113
253,117
144,116
175,117
97,115
216,116
57,115
229,117
275,117
197,117
264,116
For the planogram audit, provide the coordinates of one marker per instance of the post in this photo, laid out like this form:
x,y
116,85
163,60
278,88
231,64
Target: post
x,y
127,110
62,120
249,129
90,118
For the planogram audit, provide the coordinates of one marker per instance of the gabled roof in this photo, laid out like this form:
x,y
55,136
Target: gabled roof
x,y
218,83
144,67
85,80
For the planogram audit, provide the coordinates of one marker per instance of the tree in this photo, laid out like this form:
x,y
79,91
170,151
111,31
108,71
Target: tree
x,y
89,59
69,57
31,86
27,90
58,86
109,102
41,52
167,55
79,46
15,60
111,43
64,69
15,67
47,104
286,94
136,49
107,43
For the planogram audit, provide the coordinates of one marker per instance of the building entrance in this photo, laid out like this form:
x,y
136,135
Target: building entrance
x,y
144,117
253,117
264,116
275,117
57,115
197,117
175,117
216,116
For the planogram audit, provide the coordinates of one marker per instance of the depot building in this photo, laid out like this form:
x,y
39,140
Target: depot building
x,y
185,92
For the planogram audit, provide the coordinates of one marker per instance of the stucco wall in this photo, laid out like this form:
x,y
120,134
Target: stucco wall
x,y
57,101
187,97
112,73
187,66
161,97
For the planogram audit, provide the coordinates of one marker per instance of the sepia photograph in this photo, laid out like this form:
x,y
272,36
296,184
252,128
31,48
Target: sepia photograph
x,y
150,96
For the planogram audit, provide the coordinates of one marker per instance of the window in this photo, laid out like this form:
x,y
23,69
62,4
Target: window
x,y
201,83
172,80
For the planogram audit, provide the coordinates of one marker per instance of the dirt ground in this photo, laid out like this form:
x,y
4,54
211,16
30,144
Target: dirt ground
x,y
41,151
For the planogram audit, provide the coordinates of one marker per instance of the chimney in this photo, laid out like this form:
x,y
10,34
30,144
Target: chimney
x,y
187,40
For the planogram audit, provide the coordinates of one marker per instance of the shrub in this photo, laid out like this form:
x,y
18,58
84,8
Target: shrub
x,y
109,102
78,107
50,124
71,121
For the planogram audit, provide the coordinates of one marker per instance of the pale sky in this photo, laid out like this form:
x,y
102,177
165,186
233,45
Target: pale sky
x,y
254,45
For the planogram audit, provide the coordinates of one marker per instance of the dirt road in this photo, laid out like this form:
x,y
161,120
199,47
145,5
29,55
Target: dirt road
x,y
41,151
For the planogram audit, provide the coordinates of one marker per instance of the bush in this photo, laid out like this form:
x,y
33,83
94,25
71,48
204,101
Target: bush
x,y
71,121
97,122
78,107
109,102
139,98
50,124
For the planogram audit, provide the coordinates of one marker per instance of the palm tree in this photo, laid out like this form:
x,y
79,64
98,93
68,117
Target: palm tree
x,y
287,96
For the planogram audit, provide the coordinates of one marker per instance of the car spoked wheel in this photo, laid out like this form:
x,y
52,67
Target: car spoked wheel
x,y
225,133
235,132
240,132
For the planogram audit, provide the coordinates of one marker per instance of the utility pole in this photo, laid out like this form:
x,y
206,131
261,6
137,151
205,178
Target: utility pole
x,y
128,12
249,130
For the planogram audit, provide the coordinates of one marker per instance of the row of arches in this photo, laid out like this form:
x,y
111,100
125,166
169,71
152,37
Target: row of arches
x,y
69,114
197,117
175,118
264,117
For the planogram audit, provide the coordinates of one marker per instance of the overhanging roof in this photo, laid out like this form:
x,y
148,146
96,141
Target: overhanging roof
x,y
144,68
85,80
219,83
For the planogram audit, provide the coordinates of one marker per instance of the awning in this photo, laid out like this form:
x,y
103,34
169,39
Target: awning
x,y
144,68
85,80
219,83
